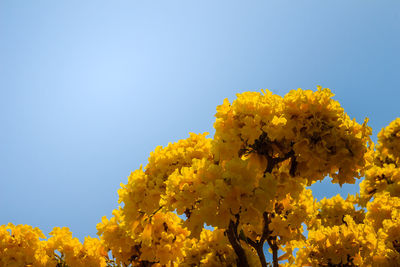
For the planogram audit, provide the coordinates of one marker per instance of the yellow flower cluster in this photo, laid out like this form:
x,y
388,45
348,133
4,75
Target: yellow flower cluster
x,y
21,245
384,216
308,127
348,244
142,230
116,238
91,253
249,183
238,126
389,236
287,219
340,234
215,194
212,249
325,140
383,172
389,139
143,191
332,211
381,209
155,239
162,238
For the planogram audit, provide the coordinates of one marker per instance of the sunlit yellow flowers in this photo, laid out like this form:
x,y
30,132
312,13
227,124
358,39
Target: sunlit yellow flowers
x,y
230,199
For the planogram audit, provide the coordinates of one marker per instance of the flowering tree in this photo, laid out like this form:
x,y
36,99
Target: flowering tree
x,y
249,184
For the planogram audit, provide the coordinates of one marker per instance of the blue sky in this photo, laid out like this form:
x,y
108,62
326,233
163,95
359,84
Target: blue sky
x,y
89,88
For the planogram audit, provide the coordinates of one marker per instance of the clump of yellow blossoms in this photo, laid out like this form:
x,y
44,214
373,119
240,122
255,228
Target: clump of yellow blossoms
x,y
383,174
347,244
91,253
145,187
309,128
212,249
331,212
22,245
248,183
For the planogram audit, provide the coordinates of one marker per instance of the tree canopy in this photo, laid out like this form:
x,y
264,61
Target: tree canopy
x,y
249,184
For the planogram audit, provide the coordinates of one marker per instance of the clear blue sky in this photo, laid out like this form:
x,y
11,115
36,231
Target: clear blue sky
x,y
89,88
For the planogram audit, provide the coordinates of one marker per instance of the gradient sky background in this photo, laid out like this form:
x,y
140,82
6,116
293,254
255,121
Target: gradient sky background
x,y
89,88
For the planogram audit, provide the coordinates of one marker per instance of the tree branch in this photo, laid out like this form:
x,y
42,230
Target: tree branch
x,y
270,239
260,252
235,242
274,247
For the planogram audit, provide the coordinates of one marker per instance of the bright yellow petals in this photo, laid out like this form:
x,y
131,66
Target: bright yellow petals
x,y
144,189
158,238
20,245
389,140
265,150
162,238
381,208
215,194
390,239
140,194
117,238
325,140
343,236
331,212
239,125
212,249
383,172
249,183
91,253
288,217
343,245
164,161
307,127
384,216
